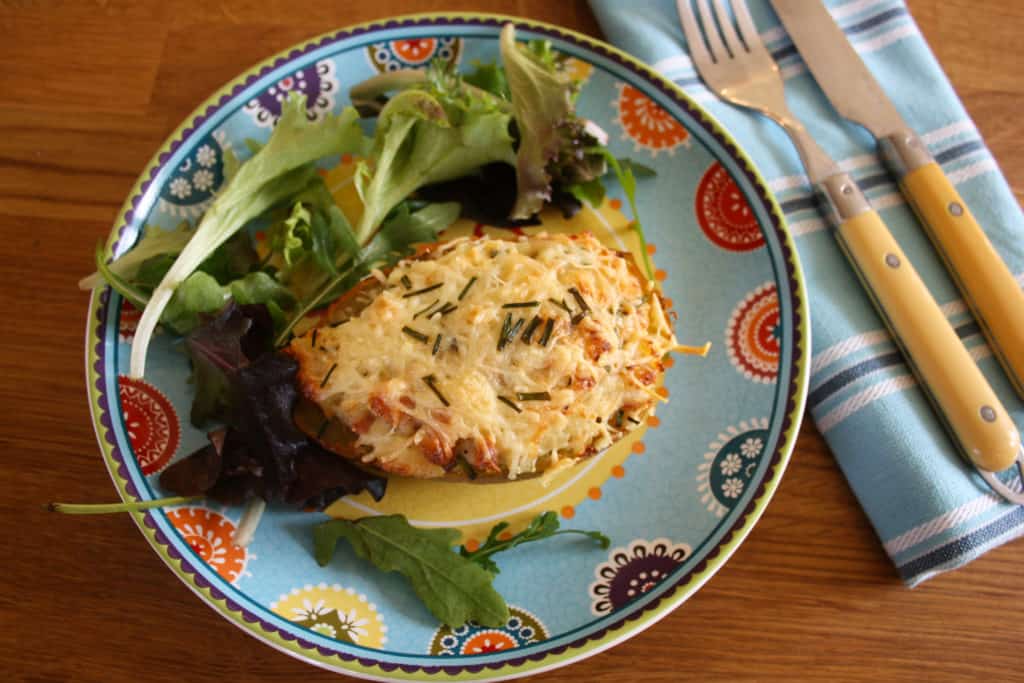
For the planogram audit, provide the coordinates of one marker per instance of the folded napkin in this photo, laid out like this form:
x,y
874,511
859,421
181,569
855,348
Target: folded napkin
x,y
932,512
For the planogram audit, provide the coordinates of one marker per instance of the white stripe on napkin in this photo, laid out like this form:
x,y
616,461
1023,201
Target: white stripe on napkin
x,y
841,349
894,198
946,521
868,396
931,138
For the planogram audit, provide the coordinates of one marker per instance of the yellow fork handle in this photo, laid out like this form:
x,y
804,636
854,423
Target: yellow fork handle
x,y
962,397
987,285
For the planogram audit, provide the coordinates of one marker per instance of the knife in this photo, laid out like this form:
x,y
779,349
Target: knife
x,y
988,287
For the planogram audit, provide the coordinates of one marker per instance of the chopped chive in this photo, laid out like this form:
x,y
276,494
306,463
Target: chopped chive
x,y
424,310
633,420
312,342
505,327
429,381
578,318
531,328
507,401
406,282
466,467
510,333
548,328
431,288
521,304
328,376
446,309
561,304
415,334
465,289
437,345
323,428
579,299
533,396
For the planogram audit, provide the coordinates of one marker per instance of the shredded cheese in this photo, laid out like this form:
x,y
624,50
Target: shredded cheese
x,y
599,366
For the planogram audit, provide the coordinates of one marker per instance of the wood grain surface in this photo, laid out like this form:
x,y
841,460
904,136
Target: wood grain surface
x,y
89,90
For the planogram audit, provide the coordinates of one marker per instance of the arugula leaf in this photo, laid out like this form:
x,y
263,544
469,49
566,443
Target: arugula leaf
x,y
624,172
428,136
544,525
591,192
137,297
393,242
154,241
272,174
454,589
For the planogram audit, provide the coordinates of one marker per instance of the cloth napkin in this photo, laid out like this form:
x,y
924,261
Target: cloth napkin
x,y
932,512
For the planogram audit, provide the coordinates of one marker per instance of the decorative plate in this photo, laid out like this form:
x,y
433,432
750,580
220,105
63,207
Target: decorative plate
x,y
677,497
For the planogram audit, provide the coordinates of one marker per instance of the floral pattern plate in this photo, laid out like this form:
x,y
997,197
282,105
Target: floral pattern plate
x,y
677,497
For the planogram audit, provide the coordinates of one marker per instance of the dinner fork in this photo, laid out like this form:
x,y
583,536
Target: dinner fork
x,y
729,55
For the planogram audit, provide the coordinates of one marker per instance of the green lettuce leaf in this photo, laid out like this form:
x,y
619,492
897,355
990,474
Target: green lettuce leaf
x,y
426,136
274,173
199,293
453,588
154,241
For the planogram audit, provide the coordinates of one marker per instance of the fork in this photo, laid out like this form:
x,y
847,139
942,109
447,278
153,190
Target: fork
x,y
734,63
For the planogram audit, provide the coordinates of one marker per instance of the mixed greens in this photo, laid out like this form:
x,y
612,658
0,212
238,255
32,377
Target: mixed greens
x,y
498,145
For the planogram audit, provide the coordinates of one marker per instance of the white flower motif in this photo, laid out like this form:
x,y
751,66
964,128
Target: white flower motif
x,y
206,156
180,188
202,179
310,610
751,448
352,625
732,487
731,464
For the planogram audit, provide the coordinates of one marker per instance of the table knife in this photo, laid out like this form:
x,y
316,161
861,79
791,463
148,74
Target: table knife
x,y
988,287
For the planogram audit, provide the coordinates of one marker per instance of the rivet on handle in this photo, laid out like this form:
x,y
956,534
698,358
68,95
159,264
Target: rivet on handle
x,y
988,413
892,260
955,209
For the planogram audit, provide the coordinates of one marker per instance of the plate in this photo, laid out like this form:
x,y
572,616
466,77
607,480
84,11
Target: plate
x,y
677,497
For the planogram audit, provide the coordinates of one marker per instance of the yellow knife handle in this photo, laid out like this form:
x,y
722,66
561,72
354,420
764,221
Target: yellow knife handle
x,y
962,397
988,287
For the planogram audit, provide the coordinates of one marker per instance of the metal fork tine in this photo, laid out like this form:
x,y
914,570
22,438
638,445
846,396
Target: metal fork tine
x,y
732,41
711,32
748,31
694,39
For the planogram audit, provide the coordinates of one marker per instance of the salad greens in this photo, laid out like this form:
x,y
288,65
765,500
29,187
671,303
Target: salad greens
x,y
454,586
426,136
544,525
552,139
454,589
276,171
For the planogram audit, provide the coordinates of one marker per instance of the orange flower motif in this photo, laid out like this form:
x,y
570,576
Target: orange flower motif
x,y
414,50
648,125
209,534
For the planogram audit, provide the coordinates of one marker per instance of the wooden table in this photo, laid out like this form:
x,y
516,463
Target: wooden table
x,y
90,89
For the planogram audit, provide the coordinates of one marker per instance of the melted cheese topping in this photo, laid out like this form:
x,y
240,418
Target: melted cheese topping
x,y
599,368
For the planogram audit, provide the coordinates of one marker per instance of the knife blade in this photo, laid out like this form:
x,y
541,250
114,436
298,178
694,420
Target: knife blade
x,y
988,287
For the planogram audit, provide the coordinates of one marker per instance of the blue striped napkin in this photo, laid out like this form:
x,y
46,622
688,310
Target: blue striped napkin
x,y
931,511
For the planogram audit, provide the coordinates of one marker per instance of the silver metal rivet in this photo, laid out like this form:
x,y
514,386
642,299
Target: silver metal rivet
x,y
892,260
988,413
846,189
956,209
